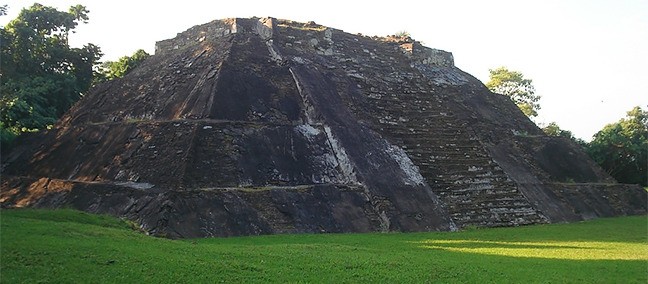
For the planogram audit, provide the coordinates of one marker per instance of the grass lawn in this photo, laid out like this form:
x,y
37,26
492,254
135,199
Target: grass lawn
x,y
74,247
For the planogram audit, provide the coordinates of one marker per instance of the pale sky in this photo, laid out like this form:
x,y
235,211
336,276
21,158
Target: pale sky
x,y
588,59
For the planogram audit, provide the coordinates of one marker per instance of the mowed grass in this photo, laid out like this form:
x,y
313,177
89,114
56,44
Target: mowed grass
x,y
73,247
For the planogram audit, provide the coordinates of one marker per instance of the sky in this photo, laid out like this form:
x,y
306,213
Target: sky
x,y
588,59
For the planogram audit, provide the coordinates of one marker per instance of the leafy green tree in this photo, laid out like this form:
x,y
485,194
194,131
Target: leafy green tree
x,y
621,148
42,76
110,70
514,85
552,129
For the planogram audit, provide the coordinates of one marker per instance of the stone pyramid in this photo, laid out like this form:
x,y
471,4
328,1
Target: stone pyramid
x,y
261,126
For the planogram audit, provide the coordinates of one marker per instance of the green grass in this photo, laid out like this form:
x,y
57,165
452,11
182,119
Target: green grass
x,y
75,247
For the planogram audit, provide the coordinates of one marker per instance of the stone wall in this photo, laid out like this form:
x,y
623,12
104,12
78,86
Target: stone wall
x,y
197,34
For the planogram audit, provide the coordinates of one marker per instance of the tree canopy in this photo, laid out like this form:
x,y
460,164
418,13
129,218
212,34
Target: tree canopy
x,y
42,76
514,85
110,70
621,148
552,129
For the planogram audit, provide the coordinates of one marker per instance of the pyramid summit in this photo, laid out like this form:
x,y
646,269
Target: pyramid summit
x,y
252,126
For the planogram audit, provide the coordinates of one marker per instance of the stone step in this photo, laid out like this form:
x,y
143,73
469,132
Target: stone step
x,y
467,147
475,183
499,221
474,189
449,155
446,155
469,168
413,116
416,120
410,96
438,143
469,165
486,194
491,206
476,202
452,173
433,140
394,124
473,164
442,176
477,215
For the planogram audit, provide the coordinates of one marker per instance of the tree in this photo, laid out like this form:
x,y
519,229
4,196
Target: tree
x,y
621,148
42,76
111,70
552,129
514,85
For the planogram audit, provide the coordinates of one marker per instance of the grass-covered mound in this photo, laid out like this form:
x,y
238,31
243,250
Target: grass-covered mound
x,y
75,247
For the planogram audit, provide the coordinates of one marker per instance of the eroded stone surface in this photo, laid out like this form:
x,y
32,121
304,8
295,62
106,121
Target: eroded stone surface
x,y
260,126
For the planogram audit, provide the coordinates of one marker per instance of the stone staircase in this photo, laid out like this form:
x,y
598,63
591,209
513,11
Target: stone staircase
x,y
453,161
